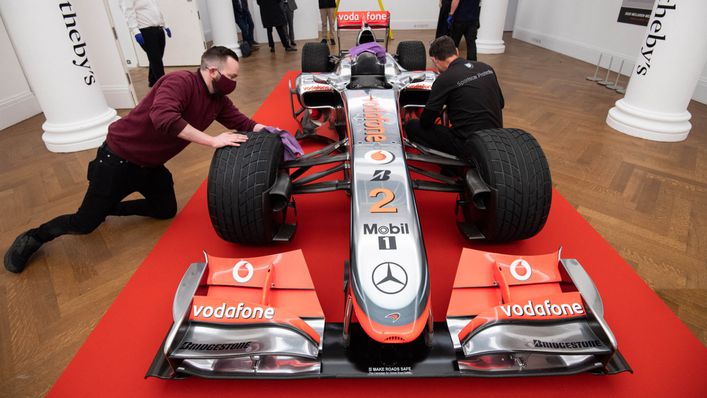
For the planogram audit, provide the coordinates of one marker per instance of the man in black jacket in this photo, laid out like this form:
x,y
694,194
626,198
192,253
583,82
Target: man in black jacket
x,y
272,16
472,97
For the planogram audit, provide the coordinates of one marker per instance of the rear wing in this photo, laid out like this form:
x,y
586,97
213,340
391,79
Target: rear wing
x,y
353,20
360,20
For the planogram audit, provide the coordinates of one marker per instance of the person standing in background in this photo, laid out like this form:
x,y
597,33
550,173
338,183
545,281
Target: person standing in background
x,y
288,8
272,16
442,26
146,23
245,22
464,20
327,8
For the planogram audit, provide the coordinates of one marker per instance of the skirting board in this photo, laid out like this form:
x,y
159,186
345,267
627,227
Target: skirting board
x,y
17,108
590,54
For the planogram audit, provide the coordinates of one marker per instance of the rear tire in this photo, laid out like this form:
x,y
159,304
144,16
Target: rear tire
x,y
315,58
239,178
514,166
411,55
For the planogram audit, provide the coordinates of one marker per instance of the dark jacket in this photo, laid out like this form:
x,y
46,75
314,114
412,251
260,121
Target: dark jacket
x,y
292,5
271,13
327,4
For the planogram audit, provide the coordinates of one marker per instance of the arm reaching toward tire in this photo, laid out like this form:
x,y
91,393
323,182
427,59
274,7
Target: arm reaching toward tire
x,y
227,138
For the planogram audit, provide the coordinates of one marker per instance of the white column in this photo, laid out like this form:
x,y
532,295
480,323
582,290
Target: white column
x,y
672,56
54,57
223,24
489,40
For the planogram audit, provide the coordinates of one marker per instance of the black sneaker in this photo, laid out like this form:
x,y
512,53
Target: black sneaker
x,y
293,44
290,49
333,42
21,251
323,41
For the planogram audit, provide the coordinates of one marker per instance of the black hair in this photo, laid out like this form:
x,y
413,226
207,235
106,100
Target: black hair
x,y
216,55
442,48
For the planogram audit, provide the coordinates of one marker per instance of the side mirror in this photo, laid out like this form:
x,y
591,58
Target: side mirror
x,y
420,77
321,79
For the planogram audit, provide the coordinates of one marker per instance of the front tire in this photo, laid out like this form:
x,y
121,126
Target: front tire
x,y
237,190
514,166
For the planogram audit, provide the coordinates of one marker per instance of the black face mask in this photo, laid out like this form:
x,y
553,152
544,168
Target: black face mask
x,y
224,85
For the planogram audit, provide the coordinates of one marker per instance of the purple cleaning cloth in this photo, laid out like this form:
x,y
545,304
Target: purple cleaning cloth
x,y
292,147
371,47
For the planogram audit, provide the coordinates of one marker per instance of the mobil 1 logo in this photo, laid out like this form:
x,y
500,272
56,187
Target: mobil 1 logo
x,y
386,234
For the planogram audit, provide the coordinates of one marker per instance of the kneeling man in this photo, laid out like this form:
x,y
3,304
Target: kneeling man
x,y
173,114
471,94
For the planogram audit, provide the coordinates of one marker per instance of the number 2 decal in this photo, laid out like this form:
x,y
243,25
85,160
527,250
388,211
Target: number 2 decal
x,y
388,196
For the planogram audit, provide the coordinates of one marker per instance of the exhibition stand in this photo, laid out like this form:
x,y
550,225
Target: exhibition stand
x,y
666,358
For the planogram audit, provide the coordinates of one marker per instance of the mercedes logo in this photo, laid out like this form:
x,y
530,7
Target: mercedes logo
x,y
390,278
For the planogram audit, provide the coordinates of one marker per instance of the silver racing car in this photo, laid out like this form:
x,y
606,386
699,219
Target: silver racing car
x,y
259,317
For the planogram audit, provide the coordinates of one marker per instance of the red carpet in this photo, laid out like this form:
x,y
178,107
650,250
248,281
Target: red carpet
x,y
666,358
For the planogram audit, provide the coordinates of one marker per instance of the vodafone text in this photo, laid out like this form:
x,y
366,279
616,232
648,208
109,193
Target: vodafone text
x,y
544,309
241,311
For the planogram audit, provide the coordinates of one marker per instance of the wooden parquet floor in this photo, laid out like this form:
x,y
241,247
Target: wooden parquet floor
x,y
649,200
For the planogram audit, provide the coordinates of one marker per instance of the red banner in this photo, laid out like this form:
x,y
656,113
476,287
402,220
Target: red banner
x,y
355,19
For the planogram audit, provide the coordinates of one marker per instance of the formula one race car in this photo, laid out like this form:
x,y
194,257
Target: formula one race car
x,y
260,317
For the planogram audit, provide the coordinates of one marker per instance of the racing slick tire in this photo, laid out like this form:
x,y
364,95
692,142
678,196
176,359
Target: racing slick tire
x,y
411,55
237,192
315,58
514,167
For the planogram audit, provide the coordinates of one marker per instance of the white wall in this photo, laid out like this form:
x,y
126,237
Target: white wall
x,y
405,14
17,102
584,28
205,20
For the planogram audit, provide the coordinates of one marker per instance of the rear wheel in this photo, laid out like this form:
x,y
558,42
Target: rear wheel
x,y
514,166
237,192
315,58
411,55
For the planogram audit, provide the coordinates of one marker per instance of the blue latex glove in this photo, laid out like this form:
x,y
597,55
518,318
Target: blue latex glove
x,y
450,19
168,31
139,39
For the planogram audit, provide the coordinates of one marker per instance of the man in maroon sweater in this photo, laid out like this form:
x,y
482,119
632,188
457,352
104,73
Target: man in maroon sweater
x,y
175,112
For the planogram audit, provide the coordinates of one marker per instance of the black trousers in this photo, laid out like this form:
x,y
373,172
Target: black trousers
x,y
111,179
290,16
154,47
280,32
468,30
437,137
442,28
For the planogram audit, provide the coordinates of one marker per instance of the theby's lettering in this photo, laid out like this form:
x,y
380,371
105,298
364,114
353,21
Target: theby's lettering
x,y
79,45
654,37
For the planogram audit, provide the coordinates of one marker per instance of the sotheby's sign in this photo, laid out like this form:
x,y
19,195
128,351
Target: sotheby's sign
x,y
655,34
